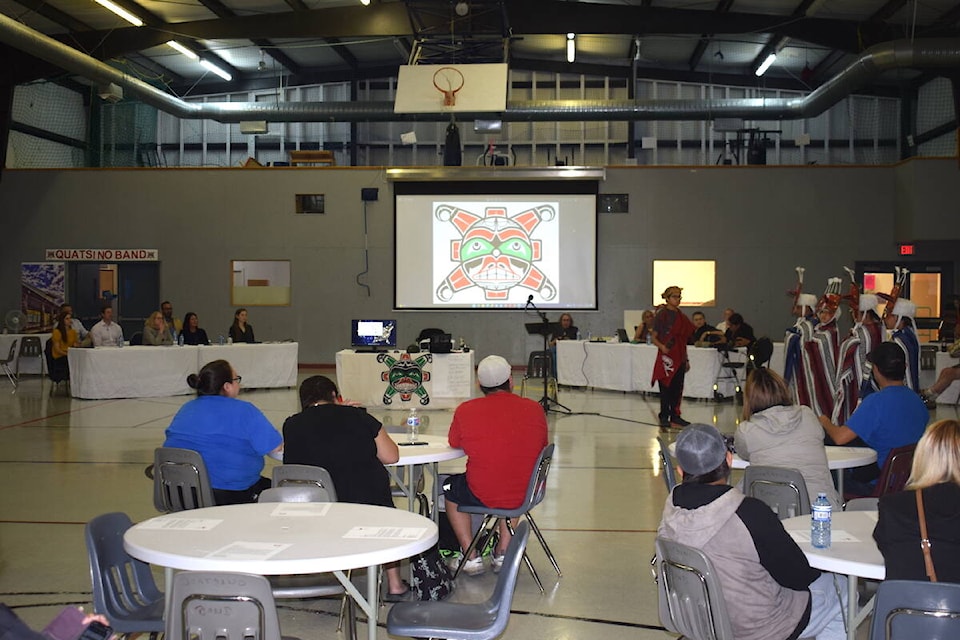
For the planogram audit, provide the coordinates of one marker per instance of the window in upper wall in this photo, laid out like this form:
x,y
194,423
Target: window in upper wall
x,y
260,283
697,278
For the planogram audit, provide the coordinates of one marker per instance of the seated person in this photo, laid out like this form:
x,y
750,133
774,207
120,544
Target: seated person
x,y
643,332
240,331
893,417
564,330
13,628
231,435
106,333
769,587
945,378
192,333
705,334
82,332
722,325
352,445
155,333
738,333
171,324
936,475
63,337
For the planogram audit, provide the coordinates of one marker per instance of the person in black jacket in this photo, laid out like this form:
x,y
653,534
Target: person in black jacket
x,y
936,473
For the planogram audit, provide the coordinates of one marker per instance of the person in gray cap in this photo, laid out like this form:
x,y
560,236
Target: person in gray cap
x,y
502,435
770,590
893,417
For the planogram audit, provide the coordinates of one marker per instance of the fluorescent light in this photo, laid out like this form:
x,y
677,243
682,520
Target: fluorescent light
x,y
120,11
762,69
182,49
217,70
571,47
365,3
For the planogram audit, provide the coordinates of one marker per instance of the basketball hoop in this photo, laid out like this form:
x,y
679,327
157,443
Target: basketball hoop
x,y
448,81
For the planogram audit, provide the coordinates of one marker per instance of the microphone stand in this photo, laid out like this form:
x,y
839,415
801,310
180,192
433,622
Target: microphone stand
x,y
548,403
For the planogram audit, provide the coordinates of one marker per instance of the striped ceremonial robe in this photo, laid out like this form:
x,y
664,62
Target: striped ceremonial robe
x,y
818,368
910,343
796,336
853,370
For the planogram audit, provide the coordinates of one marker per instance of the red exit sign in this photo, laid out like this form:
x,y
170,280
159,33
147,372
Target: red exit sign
x,y
906,249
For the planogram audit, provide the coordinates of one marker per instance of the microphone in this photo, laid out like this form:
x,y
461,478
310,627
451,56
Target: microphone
x,y
530,298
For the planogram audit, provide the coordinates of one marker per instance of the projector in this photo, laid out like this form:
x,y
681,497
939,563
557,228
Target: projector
x,y
111,92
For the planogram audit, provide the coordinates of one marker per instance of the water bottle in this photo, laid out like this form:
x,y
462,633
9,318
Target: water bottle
x,y
649,338
578,334
220,340
589,336
180,339
413,425
820,522
120,340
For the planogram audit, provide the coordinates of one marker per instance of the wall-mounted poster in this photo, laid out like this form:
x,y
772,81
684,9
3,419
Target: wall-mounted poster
x,y
41,294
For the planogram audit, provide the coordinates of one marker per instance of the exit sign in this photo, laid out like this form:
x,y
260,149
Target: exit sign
x,y
906,249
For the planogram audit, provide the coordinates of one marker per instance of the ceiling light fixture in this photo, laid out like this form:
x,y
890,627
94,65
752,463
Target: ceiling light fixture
x,y
182,49
461,9
120,11
365,3
571,47
762,69
217,70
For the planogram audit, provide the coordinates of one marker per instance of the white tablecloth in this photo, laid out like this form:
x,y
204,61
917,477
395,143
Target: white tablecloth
x,y
261,365
949,396
154,372
27,365
363,379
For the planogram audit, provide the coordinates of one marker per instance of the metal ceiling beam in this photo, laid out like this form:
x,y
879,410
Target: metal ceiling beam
x,y
776,43
221,10
526,17
309,76
723,6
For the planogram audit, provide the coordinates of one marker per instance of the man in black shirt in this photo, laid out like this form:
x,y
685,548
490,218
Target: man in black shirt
x,y
704,332
739,333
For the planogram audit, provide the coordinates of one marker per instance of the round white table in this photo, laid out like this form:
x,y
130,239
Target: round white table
x,y
435,450
285,538
853,552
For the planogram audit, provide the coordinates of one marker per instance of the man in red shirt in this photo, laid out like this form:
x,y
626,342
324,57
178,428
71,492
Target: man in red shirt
x,y
502,435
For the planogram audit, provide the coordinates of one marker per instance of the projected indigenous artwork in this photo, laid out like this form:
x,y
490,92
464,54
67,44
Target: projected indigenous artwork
x,y
405,377
496,253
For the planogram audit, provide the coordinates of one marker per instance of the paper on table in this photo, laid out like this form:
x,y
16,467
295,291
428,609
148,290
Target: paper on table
x,y
248,550
180,523
836,535
386,533
301,509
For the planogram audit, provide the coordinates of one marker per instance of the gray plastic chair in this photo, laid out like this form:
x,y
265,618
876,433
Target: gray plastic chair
x,y
294,493
690,598
535,493
180,480
224,606
293,474
862,504
460,621
5,365
666,461
123,587
916,609
30,347
784,490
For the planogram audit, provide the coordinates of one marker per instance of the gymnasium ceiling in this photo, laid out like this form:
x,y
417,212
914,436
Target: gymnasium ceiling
x,y
266,43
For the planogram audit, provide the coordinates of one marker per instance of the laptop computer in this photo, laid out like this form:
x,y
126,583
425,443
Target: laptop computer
x,y
622,336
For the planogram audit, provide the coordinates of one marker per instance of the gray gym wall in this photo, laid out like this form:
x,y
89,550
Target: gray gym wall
x,y
758,223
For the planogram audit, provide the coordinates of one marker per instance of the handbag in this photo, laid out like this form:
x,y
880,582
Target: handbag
x,y
924,539
431,578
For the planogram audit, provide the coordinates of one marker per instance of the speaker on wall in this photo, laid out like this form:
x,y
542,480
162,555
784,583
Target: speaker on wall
x,y
369,194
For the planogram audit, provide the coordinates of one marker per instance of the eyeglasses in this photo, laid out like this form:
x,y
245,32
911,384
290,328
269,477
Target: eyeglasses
x,y
675,295
237,379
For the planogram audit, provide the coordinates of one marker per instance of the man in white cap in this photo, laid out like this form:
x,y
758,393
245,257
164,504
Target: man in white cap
x,y
793,342
853,371
901,322
769,587
502,435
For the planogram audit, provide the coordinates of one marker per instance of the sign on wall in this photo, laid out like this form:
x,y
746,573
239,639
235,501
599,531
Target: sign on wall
x,y
103,255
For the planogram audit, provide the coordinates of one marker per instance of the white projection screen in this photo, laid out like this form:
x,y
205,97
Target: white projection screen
x,y
456,248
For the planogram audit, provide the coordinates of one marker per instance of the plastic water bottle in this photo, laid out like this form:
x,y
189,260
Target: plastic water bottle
x,y
820,522
220,340
649,338
578,334
120,341
413,425
180,339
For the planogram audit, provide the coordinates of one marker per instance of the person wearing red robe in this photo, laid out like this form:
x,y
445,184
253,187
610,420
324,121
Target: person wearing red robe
x,y
671,330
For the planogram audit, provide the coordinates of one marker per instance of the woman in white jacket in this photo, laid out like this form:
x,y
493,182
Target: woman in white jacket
x,y
775,432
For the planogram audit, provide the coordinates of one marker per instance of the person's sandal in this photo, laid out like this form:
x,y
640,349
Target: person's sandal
x,y
406,596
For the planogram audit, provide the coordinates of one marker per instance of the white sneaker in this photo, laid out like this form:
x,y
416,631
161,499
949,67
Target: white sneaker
x,y
470,567
496,563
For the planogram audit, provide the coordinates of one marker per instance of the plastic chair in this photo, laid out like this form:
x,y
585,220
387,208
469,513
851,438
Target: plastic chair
x,y
123,587
535,493
537,363
30,347
294,493
916,609
666,461
861,504
224,606
5,365
893,475
305,474
180,480
136,339
782,489
460,621
690,598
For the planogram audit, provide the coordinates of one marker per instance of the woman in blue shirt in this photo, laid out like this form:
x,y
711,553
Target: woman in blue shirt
x,y
231,435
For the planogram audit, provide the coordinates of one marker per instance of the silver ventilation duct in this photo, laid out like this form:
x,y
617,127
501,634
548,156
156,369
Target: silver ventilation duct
x,y
921,54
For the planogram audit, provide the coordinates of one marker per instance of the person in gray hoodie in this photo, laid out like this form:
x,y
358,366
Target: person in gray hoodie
x,y
770,590
777,433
